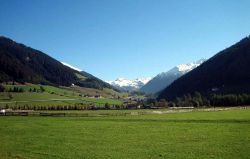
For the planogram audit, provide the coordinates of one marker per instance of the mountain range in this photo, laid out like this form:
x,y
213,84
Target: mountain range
x,y
162,80
227,72
129,85
155,84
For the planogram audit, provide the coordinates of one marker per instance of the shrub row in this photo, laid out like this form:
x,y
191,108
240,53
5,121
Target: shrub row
x,y
59,107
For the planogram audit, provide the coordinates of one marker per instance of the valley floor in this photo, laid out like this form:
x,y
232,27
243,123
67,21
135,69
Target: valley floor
x,y
184,135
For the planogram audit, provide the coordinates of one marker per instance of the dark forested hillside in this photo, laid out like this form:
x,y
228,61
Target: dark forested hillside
x,y
228,72
24,64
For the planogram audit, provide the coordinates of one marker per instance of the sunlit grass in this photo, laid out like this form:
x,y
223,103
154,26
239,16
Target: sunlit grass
x,y
191,135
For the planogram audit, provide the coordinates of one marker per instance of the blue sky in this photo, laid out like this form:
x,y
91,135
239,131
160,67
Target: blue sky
x,y
126,38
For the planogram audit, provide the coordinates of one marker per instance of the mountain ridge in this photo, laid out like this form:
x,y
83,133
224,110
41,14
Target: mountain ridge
x,y
21,63
226,72
162,80
70,66
124,84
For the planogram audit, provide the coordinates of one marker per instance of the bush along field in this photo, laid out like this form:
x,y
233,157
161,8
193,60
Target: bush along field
x,y
190,135
44,97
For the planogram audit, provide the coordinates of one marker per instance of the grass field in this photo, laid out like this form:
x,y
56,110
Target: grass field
x,y
53,96
46,99
69,91
190,135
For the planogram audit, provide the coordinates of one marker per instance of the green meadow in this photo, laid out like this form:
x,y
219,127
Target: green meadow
x,y
184,135
52,96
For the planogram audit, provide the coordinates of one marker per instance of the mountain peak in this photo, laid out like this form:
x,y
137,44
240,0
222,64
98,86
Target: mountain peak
x,y
189,66
227,72
164,79
129,85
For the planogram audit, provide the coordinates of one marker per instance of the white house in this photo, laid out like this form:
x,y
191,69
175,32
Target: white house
x,y
3,111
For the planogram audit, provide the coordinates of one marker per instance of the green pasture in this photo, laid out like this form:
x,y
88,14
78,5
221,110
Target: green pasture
x,y
190,135
51,96
47,99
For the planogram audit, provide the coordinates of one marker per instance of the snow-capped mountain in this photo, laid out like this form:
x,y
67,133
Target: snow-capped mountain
x,y
129,85
164,79
70,66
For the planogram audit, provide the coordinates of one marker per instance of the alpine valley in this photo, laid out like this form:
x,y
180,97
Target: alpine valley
x,y
124,79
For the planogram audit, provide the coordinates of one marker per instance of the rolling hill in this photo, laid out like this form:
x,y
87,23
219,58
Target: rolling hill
x,y
226,72
24,64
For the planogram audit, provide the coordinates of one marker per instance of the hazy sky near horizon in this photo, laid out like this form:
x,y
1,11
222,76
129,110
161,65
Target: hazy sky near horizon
x,y
126,38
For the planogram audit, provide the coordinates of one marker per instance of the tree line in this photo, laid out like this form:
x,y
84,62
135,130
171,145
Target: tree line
x,y
76,106
216,100
20,89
